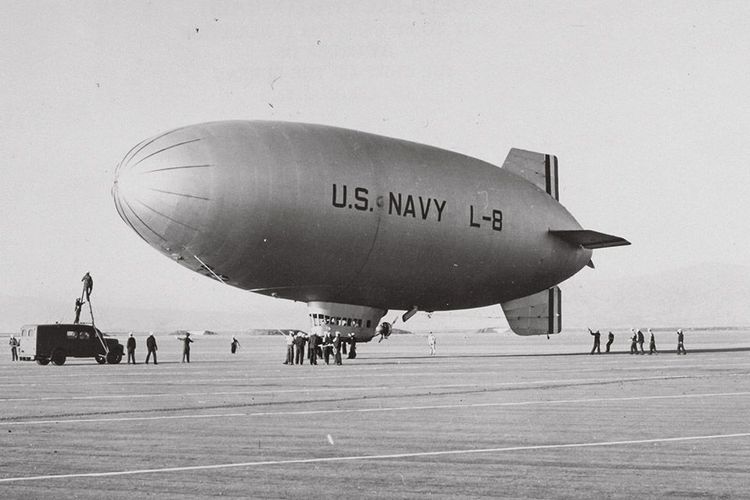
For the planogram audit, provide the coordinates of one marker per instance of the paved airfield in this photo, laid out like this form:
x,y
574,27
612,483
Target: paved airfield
x,y
489,416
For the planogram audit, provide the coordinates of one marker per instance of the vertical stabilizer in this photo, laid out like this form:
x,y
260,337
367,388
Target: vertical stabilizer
x,y
538,314
538,168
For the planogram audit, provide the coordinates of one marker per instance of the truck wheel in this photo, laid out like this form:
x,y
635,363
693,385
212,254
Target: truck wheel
x,y
100,359
42,361
114,358
58,357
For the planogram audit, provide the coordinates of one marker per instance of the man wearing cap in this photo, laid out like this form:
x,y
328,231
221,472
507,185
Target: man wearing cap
x,y
327,346
610,339
131,348
88,286
641,340
680,345
299,344
337,347
312,348
352,346
289,349
596,348
186,341
651,342
151,346
13,347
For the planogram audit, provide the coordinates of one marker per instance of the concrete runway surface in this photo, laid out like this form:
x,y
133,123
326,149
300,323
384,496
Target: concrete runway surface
x,y
491,415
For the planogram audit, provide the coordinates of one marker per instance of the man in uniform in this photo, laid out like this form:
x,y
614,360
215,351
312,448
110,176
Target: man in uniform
x,y
337,347
431,342
79,304
651,342
641,340
186,341
312,348
352,346
131,348
327,346
151,346
299,344
680,340
596,348
289,349
13,347
88,285
610,339
234,345
633,342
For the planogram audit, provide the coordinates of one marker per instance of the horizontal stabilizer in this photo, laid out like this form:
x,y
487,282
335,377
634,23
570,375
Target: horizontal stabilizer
x,y
538,168
590,239
538,314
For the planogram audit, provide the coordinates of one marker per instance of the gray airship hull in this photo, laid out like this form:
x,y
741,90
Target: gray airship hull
x,y
316,213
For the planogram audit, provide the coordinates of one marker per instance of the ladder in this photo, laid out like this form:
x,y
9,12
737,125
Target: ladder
x,y
91,312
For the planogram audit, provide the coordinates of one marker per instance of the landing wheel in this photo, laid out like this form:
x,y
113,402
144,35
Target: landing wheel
x,y
100,358
42,361
58,358
113,358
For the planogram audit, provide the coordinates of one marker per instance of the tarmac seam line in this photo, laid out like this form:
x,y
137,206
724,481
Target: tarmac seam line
x,y
376,457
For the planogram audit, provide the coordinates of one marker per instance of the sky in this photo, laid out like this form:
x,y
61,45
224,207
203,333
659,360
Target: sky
x,y
646,105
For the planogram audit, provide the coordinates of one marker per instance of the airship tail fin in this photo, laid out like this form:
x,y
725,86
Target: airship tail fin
x,y
537,314
538,168
590,239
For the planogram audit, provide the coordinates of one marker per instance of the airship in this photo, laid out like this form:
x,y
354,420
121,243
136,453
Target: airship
x,y
355,224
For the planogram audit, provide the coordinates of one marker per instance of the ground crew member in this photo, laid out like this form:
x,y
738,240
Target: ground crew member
x,y
610,339
289,349
79,304
337,347
299,344
151,346
633,342
352,346
13,342
431,342
186,341
235,344
680,345
641,340
596,335
651,342
131,348
88,285
312,349
327,346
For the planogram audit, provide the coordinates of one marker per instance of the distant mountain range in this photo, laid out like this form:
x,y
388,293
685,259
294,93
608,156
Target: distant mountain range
x,y
704,295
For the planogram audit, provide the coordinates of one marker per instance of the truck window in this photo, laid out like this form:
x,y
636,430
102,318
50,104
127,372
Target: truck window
x,y
84,335
71,334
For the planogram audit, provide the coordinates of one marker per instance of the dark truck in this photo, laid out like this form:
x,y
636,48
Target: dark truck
x,y
56,343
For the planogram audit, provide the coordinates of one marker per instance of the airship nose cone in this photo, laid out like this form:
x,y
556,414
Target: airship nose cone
x,y
161,189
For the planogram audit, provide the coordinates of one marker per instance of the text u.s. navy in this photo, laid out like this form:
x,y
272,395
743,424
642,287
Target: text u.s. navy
x,y
407,205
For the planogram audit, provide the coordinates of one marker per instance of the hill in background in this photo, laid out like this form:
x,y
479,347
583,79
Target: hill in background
x,y
697,296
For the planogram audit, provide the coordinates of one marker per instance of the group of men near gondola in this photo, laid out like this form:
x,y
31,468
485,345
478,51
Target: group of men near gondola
x,y
637,338
300,345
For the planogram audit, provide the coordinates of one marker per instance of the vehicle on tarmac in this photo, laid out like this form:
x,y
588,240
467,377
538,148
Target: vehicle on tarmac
x,y
57,342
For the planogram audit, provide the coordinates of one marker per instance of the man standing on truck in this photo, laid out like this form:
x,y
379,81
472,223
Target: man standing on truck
x,y
88,285
79,304
151,346
131,348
